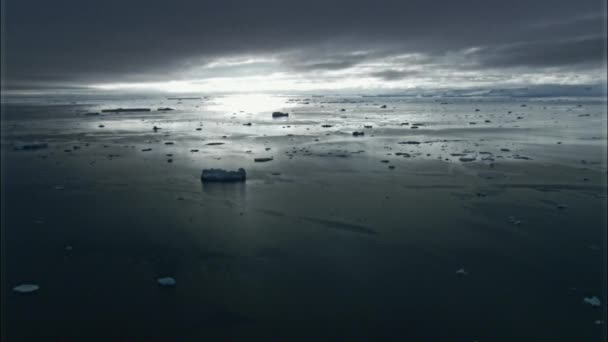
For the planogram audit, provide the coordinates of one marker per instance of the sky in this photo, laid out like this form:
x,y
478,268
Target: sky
x,y
377,46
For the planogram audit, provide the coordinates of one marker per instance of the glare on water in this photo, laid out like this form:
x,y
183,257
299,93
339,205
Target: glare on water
x,y
250,103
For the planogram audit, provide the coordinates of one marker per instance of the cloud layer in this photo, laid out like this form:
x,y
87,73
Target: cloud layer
x,y
319,43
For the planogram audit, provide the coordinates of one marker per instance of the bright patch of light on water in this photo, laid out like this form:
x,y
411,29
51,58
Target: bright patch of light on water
x,y
249,103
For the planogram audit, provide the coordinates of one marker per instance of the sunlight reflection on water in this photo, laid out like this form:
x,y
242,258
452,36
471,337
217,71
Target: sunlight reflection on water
x,y
249,103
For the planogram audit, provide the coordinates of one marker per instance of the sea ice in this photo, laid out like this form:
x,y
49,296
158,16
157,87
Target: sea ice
x,y
26,288
166,281
593,301
219,175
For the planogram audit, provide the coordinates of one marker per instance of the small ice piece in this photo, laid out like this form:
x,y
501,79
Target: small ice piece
x,y
513,220
461,271
599,322
26,288
68,248
220,175
166,281
119,110
32,146
593,301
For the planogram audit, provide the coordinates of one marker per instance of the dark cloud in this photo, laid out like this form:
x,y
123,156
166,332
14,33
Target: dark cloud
x,y
553,53
103,41
315,59
392,75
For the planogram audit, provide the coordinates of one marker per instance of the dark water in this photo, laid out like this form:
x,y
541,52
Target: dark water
x,y
335,247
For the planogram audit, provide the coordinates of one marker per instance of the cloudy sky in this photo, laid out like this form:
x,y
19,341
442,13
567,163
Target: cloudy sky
x,y
246,45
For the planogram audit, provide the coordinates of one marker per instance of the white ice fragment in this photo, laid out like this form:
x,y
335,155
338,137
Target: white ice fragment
x,y
166,281
515,221
461,271
26,288
593,301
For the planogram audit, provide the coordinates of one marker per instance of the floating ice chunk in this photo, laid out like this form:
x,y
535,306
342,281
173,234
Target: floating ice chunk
x,y
119,110
461,271
26,288
515,221
593,301
166,281
32,146
220,175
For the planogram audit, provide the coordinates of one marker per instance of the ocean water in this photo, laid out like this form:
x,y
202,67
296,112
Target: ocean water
x,y
487,222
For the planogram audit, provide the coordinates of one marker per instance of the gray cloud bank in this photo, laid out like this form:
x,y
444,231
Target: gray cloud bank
x,y
70,42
